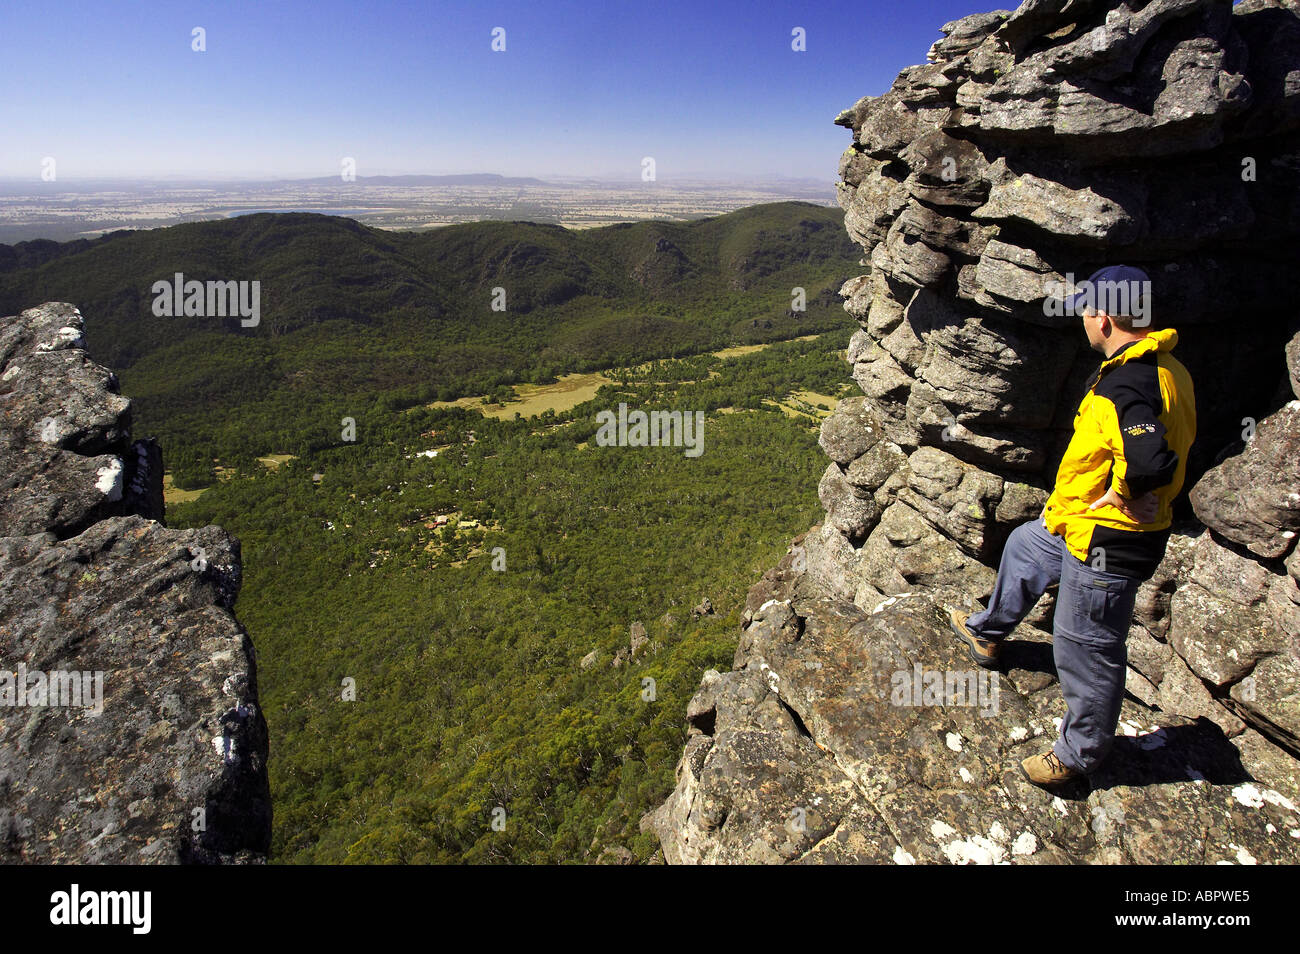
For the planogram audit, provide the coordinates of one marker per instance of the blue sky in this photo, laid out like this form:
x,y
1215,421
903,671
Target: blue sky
x,y
287,88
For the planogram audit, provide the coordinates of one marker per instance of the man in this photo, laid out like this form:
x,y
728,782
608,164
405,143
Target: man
x,y
1106,522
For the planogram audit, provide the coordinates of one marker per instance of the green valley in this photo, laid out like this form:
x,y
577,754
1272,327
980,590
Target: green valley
x,y
448,596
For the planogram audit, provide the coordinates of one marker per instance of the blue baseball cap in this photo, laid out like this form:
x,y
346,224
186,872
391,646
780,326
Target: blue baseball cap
x,y
1116,290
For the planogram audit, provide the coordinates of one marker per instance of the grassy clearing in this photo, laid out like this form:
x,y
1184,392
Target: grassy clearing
x,y
574,389
534,399
273,461
173,494
738,350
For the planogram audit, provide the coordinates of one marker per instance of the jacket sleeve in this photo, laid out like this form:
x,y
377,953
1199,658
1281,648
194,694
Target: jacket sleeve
x,y
1142,457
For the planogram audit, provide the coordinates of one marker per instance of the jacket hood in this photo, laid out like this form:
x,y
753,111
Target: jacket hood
x,y
1162,340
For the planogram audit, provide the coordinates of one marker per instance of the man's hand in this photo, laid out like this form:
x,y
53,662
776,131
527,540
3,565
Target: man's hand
x,y
1139,509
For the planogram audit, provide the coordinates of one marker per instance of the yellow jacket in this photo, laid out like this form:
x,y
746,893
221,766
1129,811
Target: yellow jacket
x,y
1132,430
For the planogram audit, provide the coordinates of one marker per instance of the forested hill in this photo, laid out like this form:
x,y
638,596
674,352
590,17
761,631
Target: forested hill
x,y
352,315
316,269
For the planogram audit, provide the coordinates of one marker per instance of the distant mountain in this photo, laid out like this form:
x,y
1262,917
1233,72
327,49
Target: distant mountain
x,y
476,178
353,315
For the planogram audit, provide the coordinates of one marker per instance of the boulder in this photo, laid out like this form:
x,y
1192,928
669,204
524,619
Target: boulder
x,y
1253,497
850,431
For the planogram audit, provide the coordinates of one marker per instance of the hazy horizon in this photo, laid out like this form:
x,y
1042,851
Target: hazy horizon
x,y
551,176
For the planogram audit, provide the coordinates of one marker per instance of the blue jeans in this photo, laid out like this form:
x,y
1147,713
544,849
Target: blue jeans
x,y
1090,632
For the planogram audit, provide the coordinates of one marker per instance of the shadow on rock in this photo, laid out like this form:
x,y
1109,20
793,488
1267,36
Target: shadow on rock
x,y
1028,656
1180,753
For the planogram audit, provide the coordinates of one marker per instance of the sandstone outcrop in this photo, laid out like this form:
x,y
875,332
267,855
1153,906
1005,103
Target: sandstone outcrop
x,y
130,729
1034,147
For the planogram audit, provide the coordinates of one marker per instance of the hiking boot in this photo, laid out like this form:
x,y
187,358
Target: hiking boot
x,y
983,651
1048,771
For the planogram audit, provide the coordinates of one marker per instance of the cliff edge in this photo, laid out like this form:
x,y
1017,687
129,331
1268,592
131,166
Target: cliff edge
x,y
130,730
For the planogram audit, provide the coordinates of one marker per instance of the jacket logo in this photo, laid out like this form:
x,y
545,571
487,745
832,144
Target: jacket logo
x,y
1139,429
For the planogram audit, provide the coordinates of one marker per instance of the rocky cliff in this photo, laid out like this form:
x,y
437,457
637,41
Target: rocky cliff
x,y
130,730
1033,148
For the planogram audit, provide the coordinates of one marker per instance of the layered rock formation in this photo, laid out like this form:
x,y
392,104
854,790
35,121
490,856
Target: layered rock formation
x,y
130,730
1033,148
